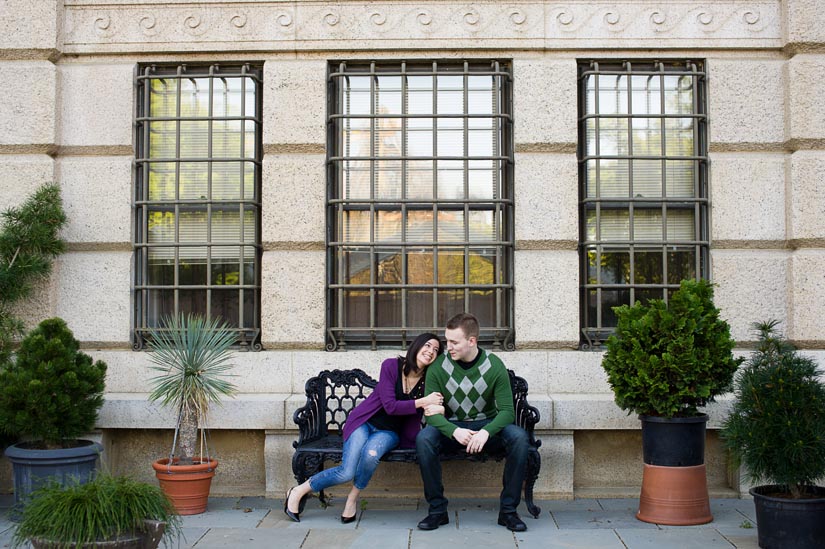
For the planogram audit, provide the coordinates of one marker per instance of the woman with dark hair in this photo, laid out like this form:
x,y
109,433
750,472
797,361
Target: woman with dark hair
x,y
389,417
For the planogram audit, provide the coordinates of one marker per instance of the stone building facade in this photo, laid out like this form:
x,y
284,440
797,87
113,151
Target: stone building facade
x,y
84,107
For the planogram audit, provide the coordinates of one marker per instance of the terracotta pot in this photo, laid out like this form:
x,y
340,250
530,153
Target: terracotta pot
x,y
145,540
677,496
186,485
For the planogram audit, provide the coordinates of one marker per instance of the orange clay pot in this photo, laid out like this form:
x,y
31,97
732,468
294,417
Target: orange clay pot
x,y
186,485
676,496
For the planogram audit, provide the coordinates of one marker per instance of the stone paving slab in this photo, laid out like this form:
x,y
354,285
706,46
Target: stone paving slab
x,y
562,539
743,506
683,539
190,536
599,519
451,537
382,520
251,538
619,504
549,505
329,539
222,504
225,518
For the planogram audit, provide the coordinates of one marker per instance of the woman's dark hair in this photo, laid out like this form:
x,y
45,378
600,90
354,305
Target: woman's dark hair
x,y
414,348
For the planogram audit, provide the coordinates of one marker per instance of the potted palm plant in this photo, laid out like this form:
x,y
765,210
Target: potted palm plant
x,y
776,429
104,513
191,355
664,362
49,396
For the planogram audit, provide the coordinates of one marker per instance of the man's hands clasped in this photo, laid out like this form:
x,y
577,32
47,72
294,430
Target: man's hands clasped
x,y
473,440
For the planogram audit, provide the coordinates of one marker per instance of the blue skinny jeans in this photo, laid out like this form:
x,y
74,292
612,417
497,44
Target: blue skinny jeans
x,y
362,451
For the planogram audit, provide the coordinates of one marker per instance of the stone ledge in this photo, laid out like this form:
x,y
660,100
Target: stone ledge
x,y
273,411
597,411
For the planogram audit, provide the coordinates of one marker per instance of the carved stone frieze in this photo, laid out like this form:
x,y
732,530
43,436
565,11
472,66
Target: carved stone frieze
x,y
227,25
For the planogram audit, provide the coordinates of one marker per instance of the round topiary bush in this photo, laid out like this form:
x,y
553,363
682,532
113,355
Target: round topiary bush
x,y
52,391
669,359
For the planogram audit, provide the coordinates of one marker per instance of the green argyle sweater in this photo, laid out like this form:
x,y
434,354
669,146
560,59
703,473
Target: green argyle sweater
x,y
481,392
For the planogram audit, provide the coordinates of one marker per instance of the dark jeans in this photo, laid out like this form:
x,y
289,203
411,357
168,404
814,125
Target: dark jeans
x,y
512,439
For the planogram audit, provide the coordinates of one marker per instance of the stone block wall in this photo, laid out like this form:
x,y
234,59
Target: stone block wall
x,y
67,116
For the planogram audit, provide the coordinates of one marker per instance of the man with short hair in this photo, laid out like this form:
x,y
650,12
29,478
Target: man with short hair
x,y
479,413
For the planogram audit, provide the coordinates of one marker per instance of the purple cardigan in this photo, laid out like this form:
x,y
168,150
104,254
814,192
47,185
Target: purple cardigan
x,y
384,396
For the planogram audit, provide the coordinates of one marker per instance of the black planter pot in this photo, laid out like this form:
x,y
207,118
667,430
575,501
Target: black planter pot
x,y
783,522
32,467
673,442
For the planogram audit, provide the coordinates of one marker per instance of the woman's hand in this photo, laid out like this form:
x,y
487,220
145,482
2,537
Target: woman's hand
x,y
433,399
433,410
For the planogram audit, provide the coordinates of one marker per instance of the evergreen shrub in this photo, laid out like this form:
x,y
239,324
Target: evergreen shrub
x,y
669,359
52,391
776,427
28,243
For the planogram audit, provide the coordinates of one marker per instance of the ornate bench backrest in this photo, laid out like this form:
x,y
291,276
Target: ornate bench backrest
x,y
333,393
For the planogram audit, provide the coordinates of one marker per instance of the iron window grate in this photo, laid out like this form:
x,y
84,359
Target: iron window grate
x,y
420,204
197,198
643,193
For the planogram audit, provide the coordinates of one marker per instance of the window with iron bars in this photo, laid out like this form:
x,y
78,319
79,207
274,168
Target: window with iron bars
x,y
643,192
197,196
420,203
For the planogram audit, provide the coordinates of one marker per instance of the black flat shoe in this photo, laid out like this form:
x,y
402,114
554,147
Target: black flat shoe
x,y
431,522
347,520
294,517
512,522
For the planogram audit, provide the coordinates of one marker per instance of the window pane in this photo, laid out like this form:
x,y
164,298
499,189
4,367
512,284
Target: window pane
x,y
451,266
681,265
648,267
420,266
420,308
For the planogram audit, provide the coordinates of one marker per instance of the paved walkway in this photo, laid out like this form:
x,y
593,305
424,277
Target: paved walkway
x,y
251,523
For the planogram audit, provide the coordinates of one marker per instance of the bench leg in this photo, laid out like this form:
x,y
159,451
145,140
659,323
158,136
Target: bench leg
x,y
304,465
533,467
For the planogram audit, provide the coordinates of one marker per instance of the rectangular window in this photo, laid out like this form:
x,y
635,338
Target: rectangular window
x,y
420,206
643,192
197,196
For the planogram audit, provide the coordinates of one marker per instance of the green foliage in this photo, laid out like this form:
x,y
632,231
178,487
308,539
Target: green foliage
x,y
192,355
52,391
777,424
669,359
104,508
28,243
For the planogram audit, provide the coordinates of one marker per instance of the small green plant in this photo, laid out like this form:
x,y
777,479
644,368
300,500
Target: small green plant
x,y
28,243
669,359
52,391
192,356
746,524
776,427
102,509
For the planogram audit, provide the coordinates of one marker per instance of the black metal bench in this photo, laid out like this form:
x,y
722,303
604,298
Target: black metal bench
x,y
333,393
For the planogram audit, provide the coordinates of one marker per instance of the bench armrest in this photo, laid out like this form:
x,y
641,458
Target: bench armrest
x,y
310,418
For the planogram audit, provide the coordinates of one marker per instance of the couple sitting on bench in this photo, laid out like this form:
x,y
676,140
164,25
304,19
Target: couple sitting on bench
x,y
466,398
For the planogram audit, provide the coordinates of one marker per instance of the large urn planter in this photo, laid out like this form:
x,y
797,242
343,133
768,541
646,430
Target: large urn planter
x,y
186,485
674,482
32,468
784,522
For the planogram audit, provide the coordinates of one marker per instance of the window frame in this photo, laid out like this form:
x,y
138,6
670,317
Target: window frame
x,y
247,326
339,335
594,336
